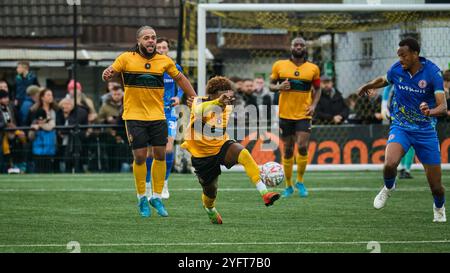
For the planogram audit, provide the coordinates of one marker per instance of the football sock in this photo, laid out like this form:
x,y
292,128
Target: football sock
x,y
439,201
389,182
169,164
409,157
158,174
149,162
139,172
261,187
288,164
208,202
302,161
250,166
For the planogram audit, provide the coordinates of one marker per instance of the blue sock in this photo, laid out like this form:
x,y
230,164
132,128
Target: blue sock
x,y
149,162
389,182
169,164
439,201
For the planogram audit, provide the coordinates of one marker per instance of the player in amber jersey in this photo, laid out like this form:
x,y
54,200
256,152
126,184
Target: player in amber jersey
x,y
298,82
208,142
142,71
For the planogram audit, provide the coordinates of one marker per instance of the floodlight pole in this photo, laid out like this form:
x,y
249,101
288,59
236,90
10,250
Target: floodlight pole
x,y
76,142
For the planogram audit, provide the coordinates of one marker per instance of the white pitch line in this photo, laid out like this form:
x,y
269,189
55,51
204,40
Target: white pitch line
x,y
324,189
232,243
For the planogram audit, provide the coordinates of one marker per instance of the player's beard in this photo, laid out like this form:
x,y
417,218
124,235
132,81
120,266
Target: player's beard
x,y
299,55
144,51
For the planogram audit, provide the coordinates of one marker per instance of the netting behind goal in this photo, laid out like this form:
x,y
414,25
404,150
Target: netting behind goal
x,y
350,47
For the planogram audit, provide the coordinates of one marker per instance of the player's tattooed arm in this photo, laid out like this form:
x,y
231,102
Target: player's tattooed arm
x,y
109,73
275,86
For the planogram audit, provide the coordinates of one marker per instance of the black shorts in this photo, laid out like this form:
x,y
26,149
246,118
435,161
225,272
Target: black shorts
x,y
208,168
143,133
289,127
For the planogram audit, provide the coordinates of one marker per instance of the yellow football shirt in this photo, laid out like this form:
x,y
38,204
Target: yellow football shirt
x,y
293,103
144,84
206,132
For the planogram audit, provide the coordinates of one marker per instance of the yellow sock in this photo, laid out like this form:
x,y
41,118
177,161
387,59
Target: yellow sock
x,y
250,166
139,172
158,175
208,202
288,164
302,161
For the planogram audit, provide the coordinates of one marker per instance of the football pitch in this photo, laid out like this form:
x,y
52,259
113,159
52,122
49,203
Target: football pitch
x,y
43,213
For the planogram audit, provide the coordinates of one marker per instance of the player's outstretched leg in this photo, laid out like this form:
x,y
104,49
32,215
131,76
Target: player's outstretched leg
x,y
252,170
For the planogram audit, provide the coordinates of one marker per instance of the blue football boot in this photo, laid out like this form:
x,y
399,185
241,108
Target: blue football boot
x,y
159,206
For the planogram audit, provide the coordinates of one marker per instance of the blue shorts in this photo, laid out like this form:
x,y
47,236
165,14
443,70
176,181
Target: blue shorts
x,y
171,119
425,143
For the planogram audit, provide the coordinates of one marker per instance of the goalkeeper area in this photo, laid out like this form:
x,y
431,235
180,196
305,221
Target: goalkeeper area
x,y
98,213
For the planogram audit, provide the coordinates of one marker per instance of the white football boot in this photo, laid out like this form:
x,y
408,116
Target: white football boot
x,y
165,192
439,214
381,198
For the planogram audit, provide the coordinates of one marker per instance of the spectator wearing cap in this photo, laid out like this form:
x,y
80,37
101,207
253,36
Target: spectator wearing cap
x,y
13,141
31,98
24,78
331,108
82,100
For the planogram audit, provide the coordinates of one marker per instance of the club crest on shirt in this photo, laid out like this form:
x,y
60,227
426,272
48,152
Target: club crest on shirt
x,y
391,137
422,84
297,73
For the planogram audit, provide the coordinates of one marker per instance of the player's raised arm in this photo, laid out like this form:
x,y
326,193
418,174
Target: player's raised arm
x,y
109,73
373,84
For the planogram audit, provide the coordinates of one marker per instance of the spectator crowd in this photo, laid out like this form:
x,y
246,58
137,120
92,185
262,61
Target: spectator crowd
x,y
36,140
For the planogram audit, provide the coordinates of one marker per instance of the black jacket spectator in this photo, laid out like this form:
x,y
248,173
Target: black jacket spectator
x,y
331,104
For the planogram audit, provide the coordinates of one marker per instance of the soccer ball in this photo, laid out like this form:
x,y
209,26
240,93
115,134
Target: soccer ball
x,y
272,174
